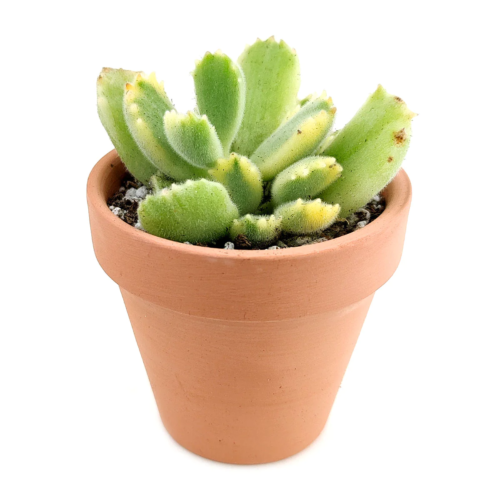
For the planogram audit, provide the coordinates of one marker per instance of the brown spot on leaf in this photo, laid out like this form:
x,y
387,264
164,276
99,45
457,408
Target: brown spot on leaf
x,y
398,98
390,159
400,136
299,131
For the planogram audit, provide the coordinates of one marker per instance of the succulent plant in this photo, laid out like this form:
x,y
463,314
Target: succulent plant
x,y
252,160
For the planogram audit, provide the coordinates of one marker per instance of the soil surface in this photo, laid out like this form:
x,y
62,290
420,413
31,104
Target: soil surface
x,y
125,202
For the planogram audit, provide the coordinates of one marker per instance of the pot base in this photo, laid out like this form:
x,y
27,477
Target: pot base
x,y
244,392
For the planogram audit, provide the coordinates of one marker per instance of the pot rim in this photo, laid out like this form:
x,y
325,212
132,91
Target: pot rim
x,y
398,195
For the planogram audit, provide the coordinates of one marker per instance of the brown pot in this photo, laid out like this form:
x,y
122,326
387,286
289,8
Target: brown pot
x,y
245,350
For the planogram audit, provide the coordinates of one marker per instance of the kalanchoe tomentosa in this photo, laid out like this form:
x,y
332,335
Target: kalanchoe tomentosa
x,y
252,160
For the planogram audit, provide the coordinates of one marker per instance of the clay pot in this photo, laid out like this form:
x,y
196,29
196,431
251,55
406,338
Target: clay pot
x,y
245,350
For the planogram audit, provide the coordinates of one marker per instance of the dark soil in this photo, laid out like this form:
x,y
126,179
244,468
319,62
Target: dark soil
x,y
124,204
127,207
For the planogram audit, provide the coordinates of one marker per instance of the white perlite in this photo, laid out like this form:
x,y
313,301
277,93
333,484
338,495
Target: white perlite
x,y
131,194
116,210
141,192
273,248
352,219
229,245
361,224
139,226
365,212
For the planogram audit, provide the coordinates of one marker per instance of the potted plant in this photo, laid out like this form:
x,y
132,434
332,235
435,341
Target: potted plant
x,y
244,330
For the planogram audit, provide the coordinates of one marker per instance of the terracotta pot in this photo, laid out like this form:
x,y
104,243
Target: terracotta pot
x,y
245,350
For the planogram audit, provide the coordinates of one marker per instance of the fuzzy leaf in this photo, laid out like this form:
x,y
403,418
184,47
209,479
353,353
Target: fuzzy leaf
x,y
291,113
272,75
370,148
305,179
144,106
110,90
325,143
304,217
196,211
220,93
193,137
307,98
296,138
242,180
160,181
260,230
300,104
267,208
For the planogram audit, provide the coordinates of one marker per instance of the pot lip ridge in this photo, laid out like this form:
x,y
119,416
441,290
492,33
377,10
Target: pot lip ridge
x,y
398,195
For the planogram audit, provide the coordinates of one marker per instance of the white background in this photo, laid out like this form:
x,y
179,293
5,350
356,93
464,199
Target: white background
x,y
418,414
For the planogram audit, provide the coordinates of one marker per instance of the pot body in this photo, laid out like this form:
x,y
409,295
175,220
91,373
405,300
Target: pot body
x,y
244,391
245,350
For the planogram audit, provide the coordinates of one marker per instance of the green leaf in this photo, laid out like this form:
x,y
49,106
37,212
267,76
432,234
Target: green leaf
x,y
371,149
196,211
144,106
220,93
193,137
326,143
305,179
272,75
260,230
160,181
305,217
242,180
110,91
296,138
